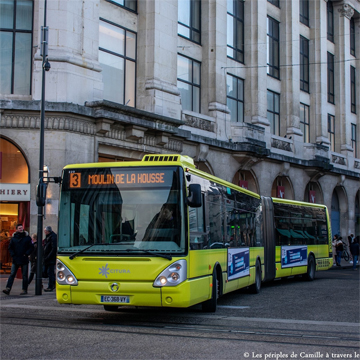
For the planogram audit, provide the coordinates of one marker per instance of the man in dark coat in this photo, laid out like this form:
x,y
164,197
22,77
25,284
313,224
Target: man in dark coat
x,y
354,248
20,248
50,248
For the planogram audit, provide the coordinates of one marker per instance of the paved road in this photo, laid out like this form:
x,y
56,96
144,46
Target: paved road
x,y
289,319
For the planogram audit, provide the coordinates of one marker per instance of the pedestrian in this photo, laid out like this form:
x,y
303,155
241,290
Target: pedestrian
x,y
334,242
339,251
50,247
354,248
33,258
350,241
20,248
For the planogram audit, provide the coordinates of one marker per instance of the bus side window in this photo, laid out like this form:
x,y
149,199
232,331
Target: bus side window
x,y
198,238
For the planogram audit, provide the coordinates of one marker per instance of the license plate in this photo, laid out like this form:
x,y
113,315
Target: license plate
x,y
115,299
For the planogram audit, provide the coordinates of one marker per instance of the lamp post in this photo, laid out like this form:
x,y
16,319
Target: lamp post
x,y
45,67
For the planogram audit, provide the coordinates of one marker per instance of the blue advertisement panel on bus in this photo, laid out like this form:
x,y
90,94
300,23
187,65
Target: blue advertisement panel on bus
x,y
238,263
293,256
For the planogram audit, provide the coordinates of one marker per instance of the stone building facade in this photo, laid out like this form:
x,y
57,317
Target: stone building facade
x,y
261,93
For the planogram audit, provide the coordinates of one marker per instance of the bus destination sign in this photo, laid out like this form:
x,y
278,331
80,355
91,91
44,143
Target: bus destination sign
x,y
84,179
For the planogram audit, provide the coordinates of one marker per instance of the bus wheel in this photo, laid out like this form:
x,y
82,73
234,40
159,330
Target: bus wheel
x,y
210,305
110,307
310,275
255,288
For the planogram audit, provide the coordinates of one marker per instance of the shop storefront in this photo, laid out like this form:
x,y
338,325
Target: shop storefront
x,y
14,197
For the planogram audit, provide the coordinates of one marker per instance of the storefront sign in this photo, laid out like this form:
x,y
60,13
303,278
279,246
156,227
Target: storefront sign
x,y
14,192
280,193
312,196
243,184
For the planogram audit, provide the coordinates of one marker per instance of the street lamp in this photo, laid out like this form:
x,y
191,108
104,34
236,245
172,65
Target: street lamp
x,y
41,185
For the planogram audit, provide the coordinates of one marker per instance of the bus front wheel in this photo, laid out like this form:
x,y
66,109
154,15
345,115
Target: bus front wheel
x,y
311,268
211,304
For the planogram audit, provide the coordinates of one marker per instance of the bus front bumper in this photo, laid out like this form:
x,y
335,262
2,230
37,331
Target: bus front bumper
x,y
183,295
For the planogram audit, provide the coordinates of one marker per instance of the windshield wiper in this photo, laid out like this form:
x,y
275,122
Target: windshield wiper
x,y
150,252
88,247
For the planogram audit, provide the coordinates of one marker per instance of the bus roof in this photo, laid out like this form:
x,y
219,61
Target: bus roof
x,y
182,160
295,202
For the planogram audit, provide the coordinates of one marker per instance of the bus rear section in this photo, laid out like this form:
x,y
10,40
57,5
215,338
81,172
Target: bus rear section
x,y
299,242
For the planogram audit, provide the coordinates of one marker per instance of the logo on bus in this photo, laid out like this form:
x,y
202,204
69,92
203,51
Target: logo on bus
x,y
106,270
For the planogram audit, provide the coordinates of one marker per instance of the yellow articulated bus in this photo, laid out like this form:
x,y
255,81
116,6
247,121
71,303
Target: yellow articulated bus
x,y
160,233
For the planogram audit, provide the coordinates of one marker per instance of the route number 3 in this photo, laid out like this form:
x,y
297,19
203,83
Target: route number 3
x,y
75,180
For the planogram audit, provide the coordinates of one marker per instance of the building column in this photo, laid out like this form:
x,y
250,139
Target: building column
x,y
318,56
290,75
213,66
342,15
75,74
157,49
256,60
357,85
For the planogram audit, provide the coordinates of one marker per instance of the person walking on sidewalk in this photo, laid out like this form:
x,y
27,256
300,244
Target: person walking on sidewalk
x,y
50,247
334,242
33,258
354,248
351,239
20,248
339,250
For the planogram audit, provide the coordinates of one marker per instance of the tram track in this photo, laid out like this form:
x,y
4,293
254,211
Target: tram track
x,y
120,323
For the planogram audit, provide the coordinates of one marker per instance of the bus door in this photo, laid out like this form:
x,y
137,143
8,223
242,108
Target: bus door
x,y
269,239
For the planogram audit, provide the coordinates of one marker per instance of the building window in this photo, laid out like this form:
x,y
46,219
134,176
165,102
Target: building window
x,y
353,89
188,82
189,19
331,131
127,4
305,122
330,78
275,2
235,97
353,139
16,26
304,64
304,12
273,64
273,112
117,56
330,21
352,36
235,29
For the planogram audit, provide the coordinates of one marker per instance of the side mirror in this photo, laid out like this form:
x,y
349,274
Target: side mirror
x,y
41,193
194,199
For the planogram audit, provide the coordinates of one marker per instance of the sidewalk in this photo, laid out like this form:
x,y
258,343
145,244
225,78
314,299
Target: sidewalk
x,y
345,265
17,288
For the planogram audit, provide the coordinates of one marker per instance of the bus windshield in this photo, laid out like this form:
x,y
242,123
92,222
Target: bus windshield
x,y
122,210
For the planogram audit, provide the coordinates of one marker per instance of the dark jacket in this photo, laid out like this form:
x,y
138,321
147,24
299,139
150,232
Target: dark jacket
x,y
340,246
20,248
33,258
50,248
354,249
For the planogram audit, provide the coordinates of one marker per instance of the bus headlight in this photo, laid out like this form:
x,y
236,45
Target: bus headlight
x,y
173,275
63,275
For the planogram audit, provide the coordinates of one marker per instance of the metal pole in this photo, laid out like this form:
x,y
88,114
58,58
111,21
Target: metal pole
x,y
39,265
